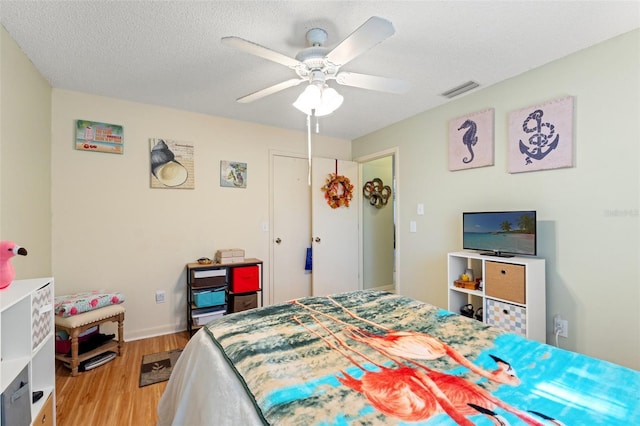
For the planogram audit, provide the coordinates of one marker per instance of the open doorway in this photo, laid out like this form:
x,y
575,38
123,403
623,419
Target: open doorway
x,y
378,231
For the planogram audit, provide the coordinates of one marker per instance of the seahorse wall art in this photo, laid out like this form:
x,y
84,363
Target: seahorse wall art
x,y
541,136
471,140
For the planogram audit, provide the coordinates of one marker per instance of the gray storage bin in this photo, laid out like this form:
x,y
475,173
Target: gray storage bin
x,y
16,401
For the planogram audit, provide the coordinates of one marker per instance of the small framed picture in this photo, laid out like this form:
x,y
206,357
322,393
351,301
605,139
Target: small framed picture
x,y
99,137
233,174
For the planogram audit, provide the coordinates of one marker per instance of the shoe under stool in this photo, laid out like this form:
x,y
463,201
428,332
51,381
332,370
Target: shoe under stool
x,y
77,324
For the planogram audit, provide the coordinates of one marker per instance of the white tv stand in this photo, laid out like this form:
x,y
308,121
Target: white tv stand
x,y
512,293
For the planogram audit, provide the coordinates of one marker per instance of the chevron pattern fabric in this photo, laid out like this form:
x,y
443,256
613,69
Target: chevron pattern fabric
x,y
41,321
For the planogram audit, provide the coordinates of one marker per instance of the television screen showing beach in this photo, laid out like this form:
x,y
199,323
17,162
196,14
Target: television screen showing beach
x,y
509,232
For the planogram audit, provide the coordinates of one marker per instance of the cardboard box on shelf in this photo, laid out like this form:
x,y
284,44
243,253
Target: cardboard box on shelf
x,y
228,260
229,256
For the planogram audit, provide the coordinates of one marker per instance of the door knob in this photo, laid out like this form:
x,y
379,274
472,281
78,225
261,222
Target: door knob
x,y
317,239
278,240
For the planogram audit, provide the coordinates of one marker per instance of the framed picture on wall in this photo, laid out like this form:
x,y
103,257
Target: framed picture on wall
x,y
233,174
99,137
541,136
471,140
171,164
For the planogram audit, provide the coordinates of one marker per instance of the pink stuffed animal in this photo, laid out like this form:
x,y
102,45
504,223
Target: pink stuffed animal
x,y
8,249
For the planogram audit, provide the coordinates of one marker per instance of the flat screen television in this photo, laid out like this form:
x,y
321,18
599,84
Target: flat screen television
x,y
505,234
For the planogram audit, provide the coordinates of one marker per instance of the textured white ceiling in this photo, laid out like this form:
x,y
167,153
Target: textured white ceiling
x,y
169,52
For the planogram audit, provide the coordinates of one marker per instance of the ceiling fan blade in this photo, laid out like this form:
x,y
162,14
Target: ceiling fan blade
x,y
261,51
270,90
372,82
372,32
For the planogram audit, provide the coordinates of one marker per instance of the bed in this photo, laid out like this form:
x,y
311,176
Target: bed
x,y
370,357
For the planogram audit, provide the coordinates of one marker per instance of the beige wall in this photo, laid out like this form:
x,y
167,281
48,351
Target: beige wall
x,y
25,160
588,215
111,230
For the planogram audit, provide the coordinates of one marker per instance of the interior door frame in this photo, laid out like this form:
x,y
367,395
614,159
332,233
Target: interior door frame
x,y
395,153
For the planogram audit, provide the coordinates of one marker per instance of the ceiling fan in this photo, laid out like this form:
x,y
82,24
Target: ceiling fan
x,y
318,64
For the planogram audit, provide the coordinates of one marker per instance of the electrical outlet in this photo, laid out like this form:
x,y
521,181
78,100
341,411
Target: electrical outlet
x,y
561,325
160,296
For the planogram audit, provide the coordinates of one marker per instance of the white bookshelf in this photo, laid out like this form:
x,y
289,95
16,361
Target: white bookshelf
x,y
512,294
27,339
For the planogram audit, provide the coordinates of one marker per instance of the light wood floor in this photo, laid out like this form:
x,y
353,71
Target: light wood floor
x,y
109,395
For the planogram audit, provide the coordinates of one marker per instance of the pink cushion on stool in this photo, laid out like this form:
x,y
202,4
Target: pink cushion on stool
x,y
74,304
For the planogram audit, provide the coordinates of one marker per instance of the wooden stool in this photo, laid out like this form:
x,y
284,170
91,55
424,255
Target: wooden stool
x,y
76,324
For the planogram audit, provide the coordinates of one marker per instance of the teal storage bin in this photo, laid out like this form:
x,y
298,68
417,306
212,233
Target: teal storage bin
x,y
209,297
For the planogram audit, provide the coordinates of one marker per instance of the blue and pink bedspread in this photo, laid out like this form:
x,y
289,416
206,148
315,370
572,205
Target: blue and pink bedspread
x,y
377,358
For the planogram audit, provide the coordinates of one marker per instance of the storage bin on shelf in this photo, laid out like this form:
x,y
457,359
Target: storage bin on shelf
x,y
242,302
203,317
209,297
507,316
505,281
63,340
245,279
16,400
209,278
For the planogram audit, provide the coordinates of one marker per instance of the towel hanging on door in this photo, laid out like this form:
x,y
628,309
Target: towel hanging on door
x,y
308,262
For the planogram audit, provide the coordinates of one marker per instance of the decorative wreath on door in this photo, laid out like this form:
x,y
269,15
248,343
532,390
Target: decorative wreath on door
x,y
338,191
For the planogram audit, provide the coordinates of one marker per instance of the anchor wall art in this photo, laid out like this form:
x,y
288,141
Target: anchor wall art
x,y
541,136
471,140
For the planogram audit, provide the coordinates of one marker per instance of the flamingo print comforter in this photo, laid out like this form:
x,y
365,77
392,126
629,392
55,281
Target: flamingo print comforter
x,y
377,358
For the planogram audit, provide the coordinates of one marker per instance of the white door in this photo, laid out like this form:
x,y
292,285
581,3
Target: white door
x,y
291,228
334,231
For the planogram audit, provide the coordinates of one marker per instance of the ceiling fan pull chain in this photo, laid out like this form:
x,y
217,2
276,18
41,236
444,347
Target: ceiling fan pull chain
x,y
309,147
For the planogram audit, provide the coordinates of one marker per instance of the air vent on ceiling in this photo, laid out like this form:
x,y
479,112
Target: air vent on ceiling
x,y
465,87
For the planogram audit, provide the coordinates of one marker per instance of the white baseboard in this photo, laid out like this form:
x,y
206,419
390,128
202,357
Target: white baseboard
x,y
154,332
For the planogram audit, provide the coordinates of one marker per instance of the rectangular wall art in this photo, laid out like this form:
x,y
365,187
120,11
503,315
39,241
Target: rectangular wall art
x,y
233,174
541,136
171,164
471,140
100,137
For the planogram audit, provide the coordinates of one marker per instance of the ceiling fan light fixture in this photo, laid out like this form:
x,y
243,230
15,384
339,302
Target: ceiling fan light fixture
x,y
331,101
309,99
319,100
